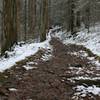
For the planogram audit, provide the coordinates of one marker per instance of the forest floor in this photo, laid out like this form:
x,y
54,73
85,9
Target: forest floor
x,y
52,75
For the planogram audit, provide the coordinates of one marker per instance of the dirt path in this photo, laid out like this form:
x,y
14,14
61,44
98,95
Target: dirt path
x,y
48,79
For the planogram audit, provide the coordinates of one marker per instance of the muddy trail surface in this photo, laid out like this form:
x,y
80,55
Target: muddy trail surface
x,y
50,75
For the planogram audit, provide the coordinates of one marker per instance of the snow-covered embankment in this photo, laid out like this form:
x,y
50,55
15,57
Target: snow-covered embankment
x,y
21,52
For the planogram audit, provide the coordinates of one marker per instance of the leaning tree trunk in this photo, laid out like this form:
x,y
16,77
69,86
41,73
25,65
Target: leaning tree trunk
x,y
9,25
44,20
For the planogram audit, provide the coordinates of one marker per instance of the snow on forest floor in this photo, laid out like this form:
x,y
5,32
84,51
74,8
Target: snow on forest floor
x,y
21,52
89,40
92,42
89,78
83,91
80,73
88,84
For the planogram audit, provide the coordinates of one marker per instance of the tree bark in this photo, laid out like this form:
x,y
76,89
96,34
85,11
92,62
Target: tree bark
x,y
31,17
9,25
44,20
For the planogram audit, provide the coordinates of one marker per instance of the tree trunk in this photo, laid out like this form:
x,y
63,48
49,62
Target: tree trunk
x,y
44,20
25,19
9,25
71,18
31,17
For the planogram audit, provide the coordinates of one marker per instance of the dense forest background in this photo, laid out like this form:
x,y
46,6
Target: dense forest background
x,y
30,20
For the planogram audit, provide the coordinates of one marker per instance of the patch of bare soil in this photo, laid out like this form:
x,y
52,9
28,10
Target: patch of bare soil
x,y
38,79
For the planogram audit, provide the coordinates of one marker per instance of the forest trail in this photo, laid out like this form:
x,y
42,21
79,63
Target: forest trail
x,y
50,75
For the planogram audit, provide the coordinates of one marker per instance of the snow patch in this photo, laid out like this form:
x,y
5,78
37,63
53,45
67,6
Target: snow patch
x,y
85,78
21,52
32,63
12,89
46,57
89,40
81,53
94,61
27,67
82,91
